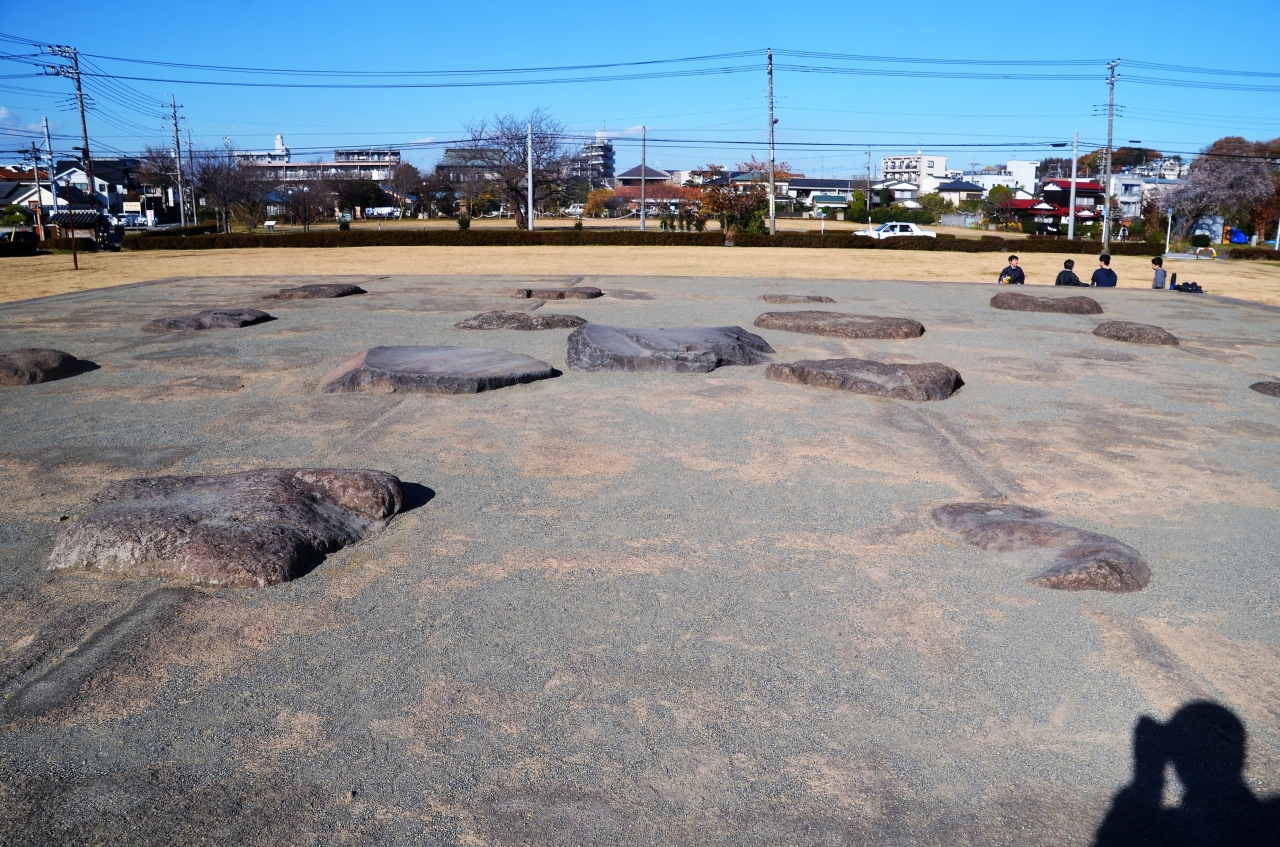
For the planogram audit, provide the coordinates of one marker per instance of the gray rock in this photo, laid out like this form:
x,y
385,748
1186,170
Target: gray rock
x,y
1134,333
584,292
781,299
928,381
841,325
238,530
316,291
1015,302
434,370
36,364
1078,560
697,349
1271,389
211,319
520,320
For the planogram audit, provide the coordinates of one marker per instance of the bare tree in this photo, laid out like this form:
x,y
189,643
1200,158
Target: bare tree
x,y
220,179
307,201
502,143
1231,179
255,192
406,182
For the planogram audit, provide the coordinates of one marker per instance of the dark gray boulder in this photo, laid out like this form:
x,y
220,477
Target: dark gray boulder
x,y
317,291
782,299
1134,333
584,292
498,319
927,381
37,364
1015,302
434,370
696,349
240,530
1271,389
841,325
211,319
1067,558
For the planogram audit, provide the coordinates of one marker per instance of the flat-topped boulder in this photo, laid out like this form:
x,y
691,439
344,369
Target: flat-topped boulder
x,y
1271,389
36,364
695,349
781,299
841,325
434,370
317,291
584,292
926,381
1134,333
1065,557
1015,302
211,319
239,530
499,319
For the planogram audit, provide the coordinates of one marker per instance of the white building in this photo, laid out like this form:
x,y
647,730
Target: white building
x,y
278,156
1017,175
926,172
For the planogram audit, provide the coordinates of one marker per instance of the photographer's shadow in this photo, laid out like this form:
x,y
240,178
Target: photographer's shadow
x,y
1205,744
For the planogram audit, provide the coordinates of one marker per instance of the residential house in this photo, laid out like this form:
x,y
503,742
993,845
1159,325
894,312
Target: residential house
x,y
1058,192
958,191
803,190
1016,175
903,193
650,176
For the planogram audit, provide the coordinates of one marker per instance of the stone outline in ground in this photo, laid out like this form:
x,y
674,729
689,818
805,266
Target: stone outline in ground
x,y
696,349
784,299
522,321
921,382
1014,301
1135,333
585,292
841,324
317,291
434,370
1271,389
210,319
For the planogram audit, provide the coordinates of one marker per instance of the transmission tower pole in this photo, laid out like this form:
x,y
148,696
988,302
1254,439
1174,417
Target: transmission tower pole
x,y
177,157
73,73
773,221
1106,182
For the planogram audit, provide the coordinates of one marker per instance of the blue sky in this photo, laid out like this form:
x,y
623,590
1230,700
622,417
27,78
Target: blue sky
x,y
891,114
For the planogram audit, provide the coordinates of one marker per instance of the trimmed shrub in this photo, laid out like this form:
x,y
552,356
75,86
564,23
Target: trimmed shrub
x,y
83,245
986,244
1201,240
192,229
1254,253
18,248
431,238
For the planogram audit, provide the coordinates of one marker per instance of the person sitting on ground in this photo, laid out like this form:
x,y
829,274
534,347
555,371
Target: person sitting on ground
x,y
1104,277
1157,265
1013,274
1067,276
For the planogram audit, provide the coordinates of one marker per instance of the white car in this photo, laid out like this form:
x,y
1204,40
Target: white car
x,y
894,229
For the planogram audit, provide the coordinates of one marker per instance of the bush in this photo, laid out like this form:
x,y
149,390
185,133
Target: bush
x,y
430,238
83,245
192,229
464,222
344,226
1254,253
1201,240
986,244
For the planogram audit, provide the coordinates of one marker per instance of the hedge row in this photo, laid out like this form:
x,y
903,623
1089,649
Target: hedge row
x,y
18,248
178,231
985,244
83,245
1255,253
427,238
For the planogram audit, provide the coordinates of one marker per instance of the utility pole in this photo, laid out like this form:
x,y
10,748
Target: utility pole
x,y
53,176
191,169
773,220
73,73
177,157
1071,217
644,137
35,169
868,197
530,205
1106,183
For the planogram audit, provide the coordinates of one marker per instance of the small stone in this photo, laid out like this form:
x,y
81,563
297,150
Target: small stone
x,y
36,364
434,370
520,320
584,292
841,325
928,381
240,530
1271,389
594,347
317,291
781,299
1015,302
211,319
1134,333
1079,560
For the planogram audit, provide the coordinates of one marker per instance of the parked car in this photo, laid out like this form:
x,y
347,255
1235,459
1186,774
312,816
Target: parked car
x,y
575,211
894,229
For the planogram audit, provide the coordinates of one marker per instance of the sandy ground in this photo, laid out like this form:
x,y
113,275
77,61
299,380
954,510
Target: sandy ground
x,y
23,278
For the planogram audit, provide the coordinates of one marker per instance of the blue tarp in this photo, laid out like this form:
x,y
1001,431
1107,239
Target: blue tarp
x,y
1237,237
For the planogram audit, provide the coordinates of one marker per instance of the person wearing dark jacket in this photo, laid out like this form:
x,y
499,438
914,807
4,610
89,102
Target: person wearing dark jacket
x,y
1013,274
1067,276
1104,277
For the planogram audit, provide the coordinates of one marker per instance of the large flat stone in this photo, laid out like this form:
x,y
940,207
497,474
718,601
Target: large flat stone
x,y
1134,333
1070,559
781,299
498,319
696,349
1015,302
927,381
211,319
37,364
584,292
1271,389
841,325
239,530
434,370
317,291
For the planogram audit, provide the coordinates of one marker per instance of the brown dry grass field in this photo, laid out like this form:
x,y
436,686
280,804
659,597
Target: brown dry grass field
x,y
22,278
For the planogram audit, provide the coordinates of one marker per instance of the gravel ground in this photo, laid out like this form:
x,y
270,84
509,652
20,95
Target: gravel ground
x,y
636,608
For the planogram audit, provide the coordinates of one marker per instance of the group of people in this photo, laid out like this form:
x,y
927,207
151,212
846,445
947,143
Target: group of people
x,y
1103,277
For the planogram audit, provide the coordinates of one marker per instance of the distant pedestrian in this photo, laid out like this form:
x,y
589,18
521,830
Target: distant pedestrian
x,y
1157,265
1124,232
1013,274
1067,276
1104,277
